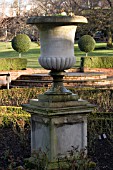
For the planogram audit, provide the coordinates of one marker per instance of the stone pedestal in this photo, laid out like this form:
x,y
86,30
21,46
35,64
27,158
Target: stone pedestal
x,y
58,122
58,117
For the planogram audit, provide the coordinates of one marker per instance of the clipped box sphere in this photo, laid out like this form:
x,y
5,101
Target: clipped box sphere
x,y
21,43
86,43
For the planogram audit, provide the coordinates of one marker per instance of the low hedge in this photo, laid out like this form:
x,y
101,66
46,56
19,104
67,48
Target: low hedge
x,y
18,96
98,62
11,116
100,128
103,98
13,64
100,123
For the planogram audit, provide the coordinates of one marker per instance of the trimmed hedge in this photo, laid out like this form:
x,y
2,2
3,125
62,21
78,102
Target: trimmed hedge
x,y
86,43
98,62
16,110
99,125
103,98
13,64
18,96
12,115
21,43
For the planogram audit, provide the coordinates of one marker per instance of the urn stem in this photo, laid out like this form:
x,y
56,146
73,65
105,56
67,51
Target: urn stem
x,y
57,86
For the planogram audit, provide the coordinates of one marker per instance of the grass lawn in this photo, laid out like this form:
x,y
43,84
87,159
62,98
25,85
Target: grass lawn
x,y
32,55
34,52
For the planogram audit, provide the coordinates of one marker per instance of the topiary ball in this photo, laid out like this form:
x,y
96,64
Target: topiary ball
x,y
21,43
86,43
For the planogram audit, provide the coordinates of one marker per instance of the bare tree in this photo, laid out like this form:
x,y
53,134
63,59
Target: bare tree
x,y
3,6
102,9
100,18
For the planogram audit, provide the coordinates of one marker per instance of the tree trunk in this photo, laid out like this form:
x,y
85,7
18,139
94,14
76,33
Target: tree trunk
x,y
19,55
109,40
82,65
6,37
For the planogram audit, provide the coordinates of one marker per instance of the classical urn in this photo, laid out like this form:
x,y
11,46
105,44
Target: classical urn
x,y
57,35
58,117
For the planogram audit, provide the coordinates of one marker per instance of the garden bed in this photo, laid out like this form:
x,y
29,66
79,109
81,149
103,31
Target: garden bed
x,y
13,151
15,141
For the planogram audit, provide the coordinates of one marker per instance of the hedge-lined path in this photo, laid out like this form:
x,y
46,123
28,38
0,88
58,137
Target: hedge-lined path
x,y
96,78
107,71
14,74
17,73
29,71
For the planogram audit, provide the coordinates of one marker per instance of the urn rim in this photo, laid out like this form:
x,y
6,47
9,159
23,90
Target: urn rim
x,y
58,20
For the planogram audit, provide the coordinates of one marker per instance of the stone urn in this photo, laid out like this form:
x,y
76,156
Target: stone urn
x,y
57,36
58,117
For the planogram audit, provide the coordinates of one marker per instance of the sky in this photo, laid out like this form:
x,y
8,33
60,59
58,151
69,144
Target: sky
x,y
9,0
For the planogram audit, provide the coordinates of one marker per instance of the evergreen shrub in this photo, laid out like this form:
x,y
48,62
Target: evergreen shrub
x,y
21,43
13,64
86,43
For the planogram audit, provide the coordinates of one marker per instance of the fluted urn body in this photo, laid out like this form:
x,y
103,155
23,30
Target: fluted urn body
x,y
57,34
57,48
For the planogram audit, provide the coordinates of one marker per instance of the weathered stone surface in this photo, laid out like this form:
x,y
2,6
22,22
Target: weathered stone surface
x,y
50,107
57,97
56,105
57,20
58,125
57,50
58,134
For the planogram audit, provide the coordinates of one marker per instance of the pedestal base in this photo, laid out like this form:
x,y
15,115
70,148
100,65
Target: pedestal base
x,y
58,134
57,125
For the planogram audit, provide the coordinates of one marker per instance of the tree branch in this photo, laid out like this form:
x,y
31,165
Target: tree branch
x,y
110,3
